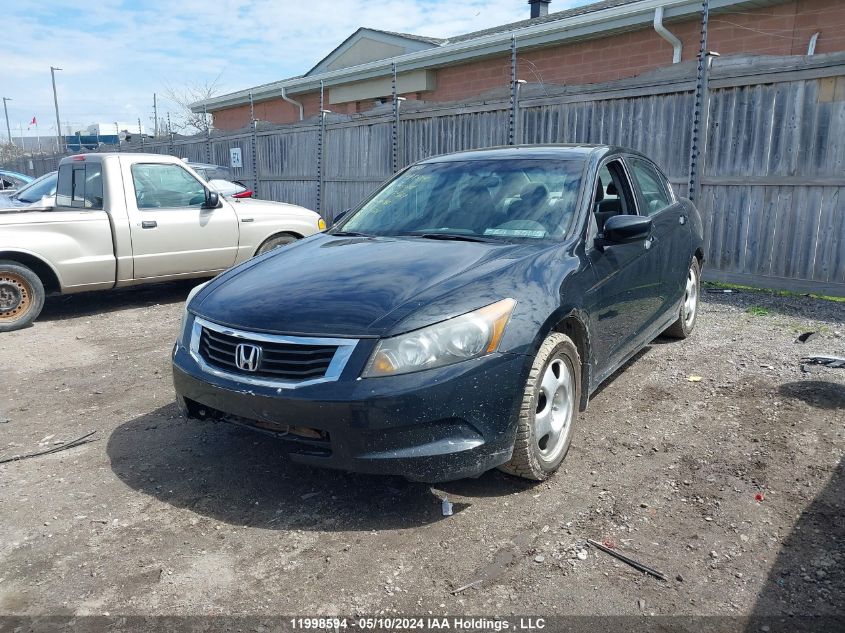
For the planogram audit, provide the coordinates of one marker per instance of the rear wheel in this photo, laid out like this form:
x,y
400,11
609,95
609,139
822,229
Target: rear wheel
x,y
21,296
277,241
549,409
682,328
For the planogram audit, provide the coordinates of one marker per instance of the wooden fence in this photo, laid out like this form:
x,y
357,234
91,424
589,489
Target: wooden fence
x,y
772,172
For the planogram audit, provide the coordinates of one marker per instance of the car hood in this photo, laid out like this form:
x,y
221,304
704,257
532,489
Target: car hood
x,y
351,286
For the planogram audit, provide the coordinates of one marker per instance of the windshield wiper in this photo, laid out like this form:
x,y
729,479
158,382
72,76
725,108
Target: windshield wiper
x,y
458,237
349,234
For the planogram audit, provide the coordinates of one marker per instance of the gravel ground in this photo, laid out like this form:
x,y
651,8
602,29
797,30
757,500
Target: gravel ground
x,y
731,485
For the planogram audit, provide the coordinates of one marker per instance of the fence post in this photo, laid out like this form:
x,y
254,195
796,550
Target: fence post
x,y
171,149
320,137
701,107
394,132
514,96
207,135
254,145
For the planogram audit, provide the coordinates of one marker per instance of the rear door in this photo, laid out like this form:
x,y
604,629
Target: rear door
x,y
657,201
172,233
626,297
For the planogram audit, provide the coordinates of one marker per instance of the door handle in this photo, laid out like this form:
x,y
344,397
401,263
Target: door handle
x,y
149,224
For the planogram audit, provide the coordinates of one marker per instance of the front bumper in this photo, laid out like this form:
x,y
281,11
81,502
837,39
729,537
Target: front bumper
x,y
435,425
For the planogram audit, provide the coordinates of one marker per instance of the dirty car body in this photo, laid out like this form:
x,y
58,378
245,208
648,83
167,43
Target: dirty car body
x,y
400,341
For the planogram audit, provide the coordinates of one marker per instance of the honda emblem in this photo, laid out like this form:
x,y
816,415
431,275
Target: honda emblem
x,y
247,357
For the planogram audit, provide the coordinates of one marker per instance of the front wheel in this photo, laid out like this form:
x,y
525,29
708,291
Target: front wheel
x,y
277,241
21,296
549,409
682,328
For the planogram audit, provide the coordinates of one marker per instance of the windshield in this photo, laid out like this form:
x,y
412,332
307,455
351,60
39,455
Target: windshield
x,y
34,191
494,199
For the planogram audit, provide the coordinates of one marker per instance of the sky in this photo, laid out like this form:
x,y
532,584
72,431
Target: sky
x,y
115,54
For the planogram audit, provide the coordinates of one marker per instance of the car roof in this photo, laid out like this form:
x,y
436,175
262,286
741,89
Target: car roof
x,y
15,174
539,152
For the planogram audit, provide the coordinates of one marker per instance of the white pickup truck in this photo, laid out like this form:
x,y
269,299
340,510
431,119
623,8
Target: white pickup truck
x,y
125,219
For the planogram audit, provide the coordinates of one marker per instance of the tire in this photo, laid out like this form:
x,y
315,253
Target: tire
x,y
553,387
274,242
688,313
21,296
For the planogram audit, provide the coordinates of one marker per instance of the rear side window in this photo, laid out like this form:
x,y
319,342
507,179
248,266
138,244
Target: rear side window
x,y
80,186
653,186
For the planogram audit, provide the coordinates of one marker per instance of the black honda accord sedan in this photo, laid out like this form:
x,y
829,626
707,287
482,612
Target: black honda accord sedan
x,y
456,321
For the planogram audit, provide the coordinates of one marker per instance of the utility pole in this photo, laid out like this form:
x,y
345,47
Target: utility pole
x,y
6,110
155,116
53,70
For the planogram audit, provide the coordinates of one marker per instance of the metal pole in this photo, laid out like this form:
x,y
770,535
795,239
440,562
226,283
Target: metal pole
x,y
155,116
6,110
700,103
320,135
140,133
53,70
207,135
517,125
254,145
169,134
394,130
514,97
117,131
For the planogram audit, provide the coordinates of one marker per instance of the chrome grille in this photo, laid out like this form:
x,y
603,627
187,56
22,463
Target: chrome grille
x,y
278,360
282,360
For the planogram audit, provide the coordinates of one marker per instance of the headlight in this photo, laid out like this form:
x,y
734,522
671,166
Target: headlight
x,y
468,336
321,224
183,337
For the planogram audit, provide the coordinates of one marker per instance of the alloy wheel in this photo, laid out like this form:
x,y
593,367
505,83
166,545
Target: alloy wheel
x,y
555,406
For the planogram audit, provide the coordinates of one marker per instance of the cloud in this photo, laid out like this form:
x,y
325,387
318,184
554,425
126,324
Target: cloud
x,y
115,54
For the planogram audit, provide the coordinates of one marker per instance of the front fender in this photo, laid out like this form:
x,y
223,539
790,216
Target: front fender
x,y
259,220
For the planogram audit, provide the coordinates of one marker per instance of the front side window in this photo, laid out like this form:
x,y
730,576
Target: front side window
x,y
654,188
80,185
494,199
165,186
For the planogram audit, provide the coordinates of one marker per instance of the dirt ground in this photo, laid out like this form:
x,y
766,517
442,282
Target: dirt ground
x,y
732,486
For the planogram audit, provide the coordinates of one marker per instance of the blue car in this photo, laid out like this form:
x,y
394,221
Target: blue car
x,y
33,193
12,180
456,321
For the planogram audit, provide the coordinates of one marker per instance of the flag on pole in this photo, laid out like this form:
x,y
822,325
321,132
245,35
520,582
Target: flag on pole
x,y
33,122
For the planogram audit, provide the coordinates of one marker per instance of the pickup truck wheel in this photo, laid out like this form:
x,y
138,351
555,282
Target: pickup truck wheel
x,y
548,411
21,296
682,328
274,242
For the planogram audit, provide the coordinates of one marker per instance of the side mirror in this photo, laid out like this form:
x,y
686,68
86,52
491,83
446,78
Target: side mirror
x,y
212,200
625,229
339,216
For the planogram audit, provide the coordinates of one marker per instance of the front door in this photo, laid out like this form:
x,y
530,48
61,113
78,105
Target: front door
x,y
626,296
171,232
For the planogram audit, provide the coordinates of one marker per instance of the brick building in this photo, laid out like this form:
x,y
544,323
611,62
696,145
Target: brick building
x,y
607,40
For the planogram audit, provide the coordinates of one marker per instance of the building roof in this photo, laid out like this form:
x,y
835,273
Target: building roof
x,y
411,36
589,21
551,17
390,42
